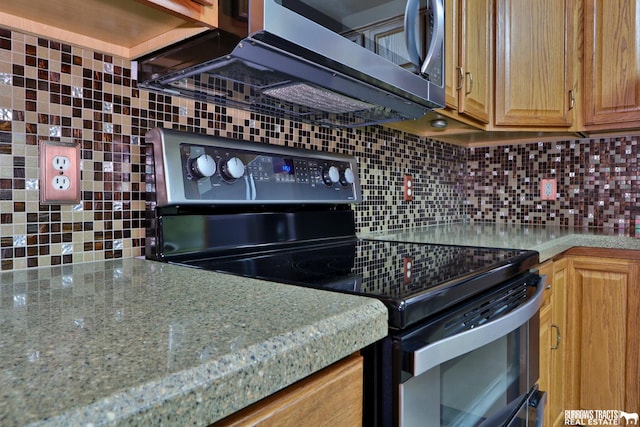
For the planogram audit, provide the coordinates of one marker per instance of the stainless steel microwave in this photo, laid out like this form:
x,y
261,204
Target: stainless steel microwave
x,y
331,62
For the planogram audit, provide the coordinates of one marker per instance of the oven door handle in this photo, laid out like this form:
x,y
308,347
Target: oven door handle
x,y
451,347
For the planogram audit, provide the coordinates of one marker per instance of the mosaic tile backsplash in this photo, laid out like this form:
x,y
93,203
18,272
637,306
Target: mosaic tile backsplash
x,y
54,91
598,183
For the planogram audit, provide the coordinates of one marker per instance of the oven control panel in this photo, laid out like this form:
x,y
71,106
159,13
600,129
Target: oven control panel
x,y
200,169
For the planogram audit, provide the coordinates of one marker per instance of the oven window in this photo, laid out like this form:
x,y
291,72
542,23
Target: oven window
x,y
476,385
486,385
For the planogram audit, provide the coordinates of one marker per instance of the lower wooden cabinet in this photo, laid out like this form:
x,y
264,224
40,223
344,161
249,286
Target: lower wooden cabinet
x,y
553,345
545,353
590,332
604,320
330,397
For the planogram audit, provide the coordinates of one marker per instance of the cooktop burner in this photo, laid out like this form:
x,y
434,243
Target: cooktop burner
x,y
412,279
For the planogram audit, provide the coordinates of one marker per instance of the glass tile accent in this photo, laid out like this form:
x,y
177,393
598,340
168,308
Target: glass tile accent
x,y
19,241
6,79
19,300
66,281
31,184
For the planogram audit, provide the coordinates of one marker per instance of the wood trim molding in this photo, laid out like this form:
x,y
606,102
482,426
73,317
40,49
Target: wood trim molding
x,y
630,254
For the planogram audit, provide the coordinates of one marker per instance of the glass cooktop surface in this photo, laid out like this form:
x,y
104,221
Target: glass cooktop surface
x,y
407,277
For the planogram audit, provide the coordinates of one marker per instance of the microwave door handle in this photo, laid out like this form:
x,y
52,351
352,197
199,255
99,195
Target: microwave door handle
x,y
410,19
437,36
451,347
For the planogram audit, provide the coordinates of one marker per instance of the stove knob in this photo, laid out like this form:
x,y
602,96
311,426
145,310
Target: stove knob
x,y
203,166
331,176
347,177
232,169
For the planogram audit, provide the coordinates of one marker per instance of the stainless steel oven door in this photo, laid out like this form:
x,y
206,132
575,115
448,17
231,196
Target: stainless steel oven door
x,y
483,376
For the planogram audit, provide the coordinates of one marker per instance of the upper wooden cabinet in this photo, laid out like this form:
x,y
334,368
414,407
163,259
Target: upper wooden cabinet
x,y
611,64
468,58
124,28
520,78
451,49
534,63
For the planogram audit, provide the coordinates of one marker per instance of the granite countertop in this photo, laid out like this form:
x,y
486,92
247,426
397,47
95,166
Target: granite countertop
x,y
136,342
549,241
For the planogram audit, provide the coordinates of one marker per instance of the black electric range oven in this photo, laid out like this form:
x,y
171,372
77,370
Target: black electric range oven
x,y
462,348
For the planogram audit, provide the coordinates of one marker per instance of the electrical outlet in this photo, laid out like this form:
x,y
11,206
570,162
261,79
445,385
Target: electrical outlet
x,y
548,189
407,267
61,182
407,192
59,172
61,163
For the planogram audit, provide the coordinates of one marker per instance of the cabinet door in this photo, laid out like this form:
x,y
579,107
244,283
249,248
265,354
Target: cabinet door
x,y
451,53
553,345
468,60
612,62
476,53
329,398
533,63
545,355
603,317
556,403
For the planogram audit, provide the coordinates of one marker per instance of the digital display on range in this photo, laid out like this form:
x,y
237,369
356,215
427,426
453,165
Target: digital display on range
x,y
282,165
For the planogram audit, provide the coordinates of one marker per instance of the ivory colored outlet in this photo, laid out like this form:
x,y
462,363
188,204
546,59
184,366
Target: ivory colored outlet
x,y
548,189
407,192
59,172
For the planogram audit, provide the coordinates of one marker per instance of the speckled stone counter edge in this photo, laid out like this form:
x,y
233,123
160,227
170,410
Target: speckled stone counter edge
x,y
215,388
548,241
221,387
555,247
